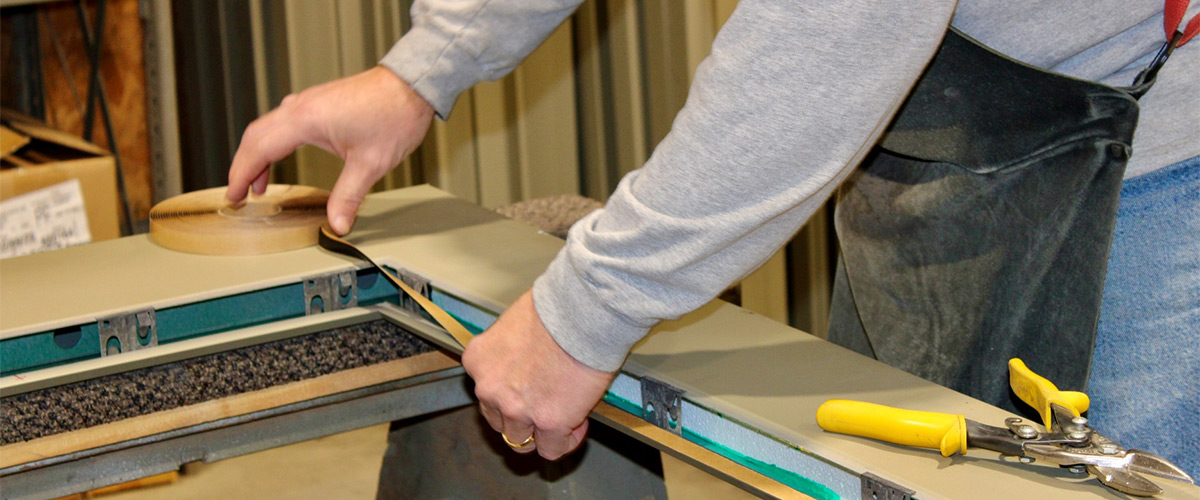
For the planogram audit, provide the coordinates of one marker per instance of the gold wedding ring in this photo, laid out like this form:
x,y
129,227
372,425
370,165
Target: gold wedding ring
x,y
516,446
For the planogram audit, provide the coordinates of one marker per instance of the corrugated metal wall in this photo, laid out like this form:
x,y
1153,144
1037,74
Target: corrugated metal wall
x,y
584,109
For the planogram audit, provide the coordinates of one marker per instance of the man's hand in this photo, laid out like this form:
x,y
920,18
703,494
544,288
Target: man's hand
x,y
528,386
372,120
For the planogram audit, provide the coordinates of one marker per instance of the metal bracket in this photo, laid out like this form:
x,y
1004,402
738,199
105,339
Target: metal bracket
x,y
418,284
878,488
337,290
662,405
132,331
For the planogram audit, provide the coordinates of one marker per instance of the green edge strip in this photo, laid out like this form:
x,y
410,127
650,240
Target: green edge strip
x,y
791,479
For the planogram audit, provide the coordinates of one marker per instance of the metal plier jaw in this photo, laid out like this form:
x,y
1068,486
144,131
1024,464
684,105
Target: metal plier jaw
x,y
1071,442
1067,440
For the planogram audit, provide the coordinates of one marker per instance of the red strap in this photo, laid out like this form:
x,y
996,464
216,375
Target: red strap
x,y
1173,13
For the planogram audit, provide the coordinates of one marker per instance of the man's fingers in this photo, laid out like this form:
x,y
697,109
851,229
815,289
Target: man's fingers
x,y
260,184
553,444
551,397
268,139
577,435
349,191
514,433
492,416
246,166
519,436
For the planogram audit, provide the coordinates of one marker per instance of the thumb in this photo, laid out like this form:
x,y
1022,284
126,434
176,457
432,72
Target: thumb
x,y
348,193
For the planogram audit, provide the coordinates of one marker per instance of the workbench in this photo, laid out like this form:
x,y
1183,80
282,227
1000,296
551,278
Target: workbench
x,y
740,390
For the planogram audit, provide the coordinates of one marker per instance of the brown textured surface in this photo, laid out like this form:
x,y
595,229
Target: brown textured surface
x,y
107,399
552,214
122,68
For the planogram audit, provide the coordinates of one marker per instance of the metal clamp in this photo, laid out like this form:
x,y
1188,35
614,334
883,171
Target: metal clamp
x,y
662,405
418,284
337,290
878,488
132,331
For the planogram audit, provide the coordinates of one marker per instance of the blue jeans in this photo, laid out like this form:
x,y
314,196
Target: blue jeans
x,y
1145,376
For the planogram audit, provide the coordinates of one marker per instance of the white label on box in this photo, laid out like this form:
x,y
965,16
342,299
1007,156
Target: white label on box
x,y
46,219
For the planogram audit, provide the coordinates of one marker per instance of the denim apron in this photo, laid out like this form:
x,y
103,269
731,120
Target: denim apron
x,y
978,229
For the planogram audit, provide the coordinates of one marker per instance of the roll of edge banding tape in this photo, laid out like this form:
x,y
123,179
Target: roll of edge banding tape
x,y
284,217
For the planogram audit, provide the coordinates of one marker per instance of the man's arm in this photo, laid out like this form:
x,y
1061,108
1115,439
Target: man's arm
x,y
791,99
454,45
374,119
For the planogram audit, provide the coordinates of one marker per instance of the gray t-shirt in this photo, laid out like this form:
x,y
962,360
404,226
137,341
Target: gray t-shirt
x,y
791,98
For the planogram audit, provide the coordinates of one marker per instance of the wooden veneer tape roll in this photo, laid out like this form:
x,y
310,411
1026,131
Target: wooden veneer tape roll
x,y
283,218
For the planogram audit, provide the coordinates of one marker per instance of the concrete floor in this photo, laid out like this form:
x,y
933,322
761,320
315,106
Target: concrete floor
x,y
346,466
342,466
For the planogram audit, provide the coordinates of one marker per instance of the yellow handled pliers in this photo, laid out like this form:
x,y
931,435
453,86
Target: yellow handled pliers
x,y
1067,440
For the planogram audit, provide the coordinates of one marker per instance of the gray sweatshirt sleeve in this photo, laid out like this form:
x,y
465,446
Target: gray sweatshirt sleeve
x,y
455,44
791,98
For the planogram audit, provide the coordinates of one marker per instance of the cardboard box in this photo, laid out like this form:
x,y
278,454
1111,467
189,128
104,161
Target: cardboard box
x,y
33,156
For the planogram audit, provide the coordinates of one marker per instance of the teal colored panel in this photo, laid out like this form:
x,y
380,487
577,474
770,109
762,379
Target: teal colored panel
x,y
227,313
476,319
787,477
46,349
61,346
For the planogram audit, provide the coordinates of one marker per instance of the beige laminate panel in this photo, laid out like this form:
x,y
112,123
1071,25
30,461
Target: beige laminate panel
x,y
461,248
741,364
774,377
80,284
